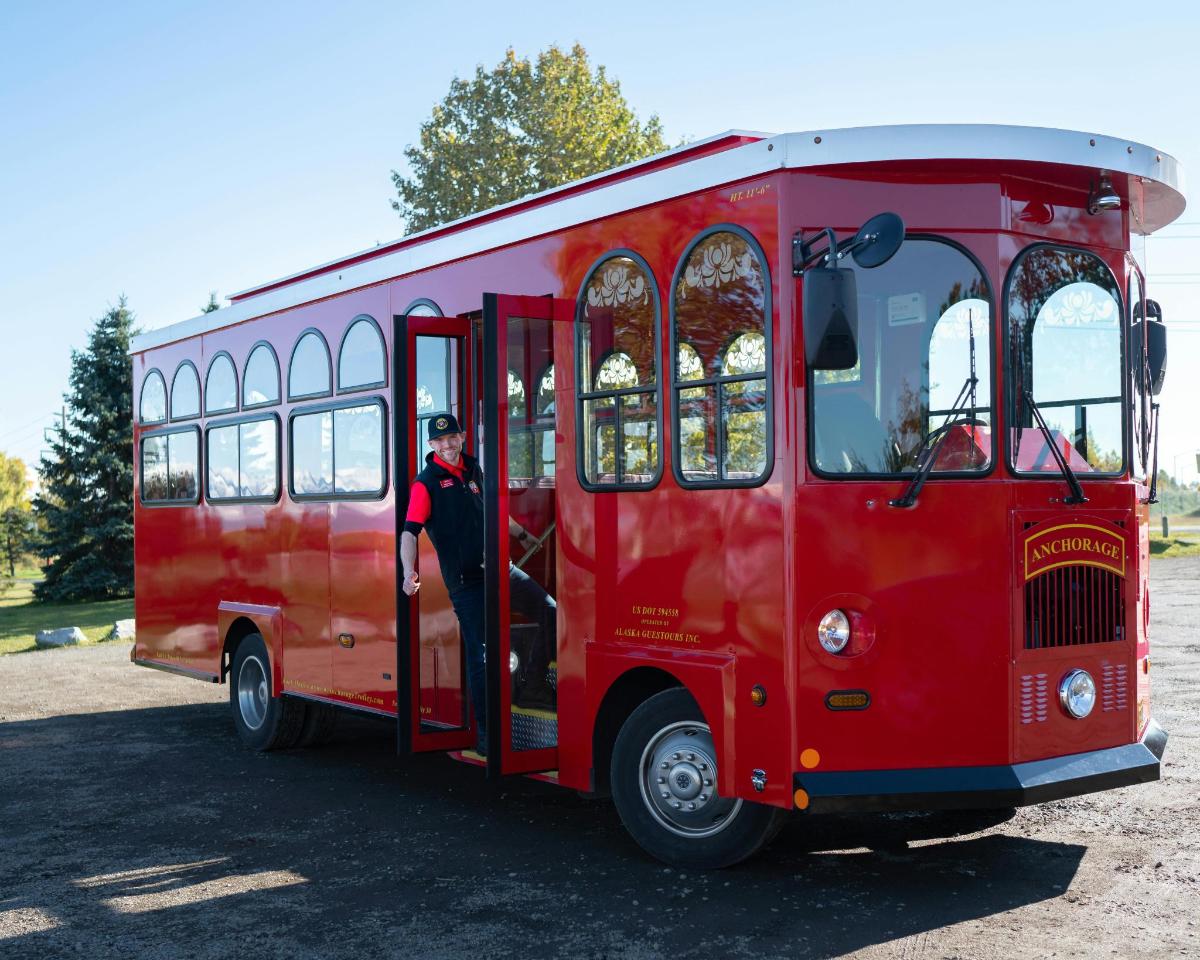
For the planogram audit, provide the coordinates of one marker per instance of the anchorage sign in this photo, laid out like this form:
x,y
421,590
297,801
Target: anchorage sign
x,y
1074,544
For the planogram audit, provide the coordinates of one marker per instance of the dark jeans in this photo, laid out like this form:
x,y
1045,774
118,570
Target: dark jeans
x,y
528,598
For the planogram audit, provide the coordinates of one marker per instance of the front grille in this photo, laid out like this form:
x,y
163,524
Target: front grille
x,y
1074,605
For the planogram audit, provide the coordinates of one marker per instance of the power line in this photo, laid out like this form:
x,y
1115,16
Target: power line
x,y
25,426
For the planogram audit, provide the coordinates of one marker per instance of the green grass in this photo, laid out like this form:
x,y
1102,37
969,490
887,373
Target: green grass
x,y
1175,546
21,617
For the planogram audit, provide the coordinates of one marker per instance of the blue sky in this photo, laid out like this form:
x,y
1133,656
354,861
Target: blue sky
x,y
163,150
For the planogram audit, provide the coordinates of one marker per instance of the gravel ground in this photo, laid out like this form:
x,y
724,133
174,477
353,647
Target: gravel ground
x,y
135,825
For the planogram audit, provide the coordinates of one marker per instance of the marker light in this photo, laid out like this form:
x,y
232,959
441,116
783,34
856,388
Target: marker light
x,y
514,662
834,631
1077,693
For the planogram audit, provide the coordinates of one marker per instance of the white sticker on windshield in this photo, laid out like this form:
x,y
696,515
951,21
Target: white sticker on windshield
x,y
906,308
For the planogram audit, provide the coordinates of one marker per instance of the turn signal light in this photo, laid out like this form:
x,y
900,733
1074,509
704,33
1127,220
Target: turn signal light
x,y
847,700
758,695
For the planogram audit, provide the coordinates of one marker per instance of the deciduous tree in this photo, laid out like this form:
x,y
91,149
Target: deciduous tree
x,y
519,129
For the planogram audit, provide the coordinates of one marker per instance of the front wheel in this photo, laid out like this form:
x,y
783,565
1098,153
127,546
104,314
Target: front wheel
x,y
263,722
664,776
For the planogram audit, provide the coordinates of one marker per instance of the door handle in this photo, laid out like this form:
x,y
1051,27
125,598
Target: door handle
x,y
346,640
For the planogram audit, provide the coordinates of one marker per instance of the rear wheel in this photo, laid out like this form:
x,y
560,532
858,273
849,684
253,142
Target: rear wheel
x,y
664,776
263,722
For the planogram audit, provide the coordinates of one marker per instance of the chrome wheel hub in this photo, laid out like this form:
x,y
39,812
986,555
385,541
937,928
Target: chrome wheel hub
x,y
253,692
678,779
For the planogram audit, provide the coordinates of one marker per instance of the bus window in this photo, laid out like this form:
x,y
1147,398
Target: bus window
x,y
338,452
924,342
153,406
260,382
1064,315
220,386
170,467
242,461
362,357
308,373
721,316
618,371
185,392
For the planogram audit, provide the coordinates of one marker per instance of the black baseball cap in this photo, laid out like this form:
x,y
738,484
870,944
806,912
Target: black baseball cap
x,y
442,424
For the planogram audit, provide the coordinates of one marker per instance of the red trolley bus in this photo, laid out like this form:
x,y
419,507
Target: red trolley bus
x,y
839,446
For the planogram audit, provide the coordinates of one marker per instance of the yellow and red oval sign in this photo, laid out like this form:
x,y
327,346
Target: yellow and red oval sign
x,y
1074,544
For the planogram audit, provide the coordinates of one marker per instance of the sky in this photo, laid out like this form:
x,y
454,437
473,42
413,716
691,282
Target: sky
x,y
164,150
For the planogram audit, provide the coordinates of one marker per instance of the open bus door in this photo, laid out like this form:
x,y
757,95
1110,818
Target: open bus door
x,y
519,425
432,373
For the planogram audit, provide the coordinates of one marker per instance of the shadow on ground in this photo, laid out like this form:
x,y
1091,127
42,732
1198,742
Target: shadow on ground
x,y
154,833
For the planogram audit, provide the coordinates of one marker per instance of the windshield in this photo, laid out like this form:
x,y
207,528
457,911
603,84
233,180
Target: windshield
x,y
923,334
1064,316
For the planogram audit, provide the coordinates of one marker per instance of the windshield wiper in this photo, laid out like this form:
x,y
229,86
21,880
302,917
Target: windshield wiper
x,y
1072,480
926,455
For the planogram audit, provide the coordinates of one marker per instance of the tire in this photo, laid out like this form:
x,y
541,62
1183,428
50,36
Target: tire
x,y
666,747
320,724
263,722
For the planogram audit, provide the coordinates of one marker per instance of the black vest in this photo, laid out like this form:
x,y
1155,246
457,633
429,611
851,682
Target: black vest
x,y
455,523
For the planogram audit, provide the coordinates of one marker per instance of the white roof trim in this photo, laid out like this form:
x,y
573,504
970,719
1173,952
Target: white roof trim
x,y
793,150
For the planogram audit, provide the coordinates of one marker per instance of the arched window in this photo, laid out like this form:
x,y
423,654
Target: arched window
x,y
185,392
721,381
309,373
260,382
362,357
1065,320
153,406
617,373
220,386
423,307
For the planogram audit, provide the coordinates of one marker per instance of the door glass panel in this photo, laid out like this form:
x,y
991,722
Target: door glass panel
x,y
434,376
532,648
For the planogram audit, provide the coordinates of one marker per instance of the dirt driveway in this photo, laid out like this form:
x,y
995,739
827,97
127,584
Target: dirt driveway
x,y
134,825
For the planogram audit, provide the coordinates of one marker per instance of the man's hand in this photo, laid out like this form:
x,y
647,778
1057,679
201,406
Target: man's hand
x,y
411,584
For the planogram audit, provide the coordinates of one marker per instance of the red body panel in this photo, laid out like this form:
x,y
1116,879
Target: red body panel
x,y
721,588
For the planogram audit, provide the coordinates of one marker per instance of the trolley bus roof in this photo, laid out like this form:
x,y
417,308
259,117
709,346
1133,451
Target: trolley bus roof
x,y
726,158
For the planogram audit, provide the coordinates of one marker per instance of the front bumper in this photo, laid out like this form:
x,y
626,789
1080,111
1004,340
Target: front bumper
x,y
983,788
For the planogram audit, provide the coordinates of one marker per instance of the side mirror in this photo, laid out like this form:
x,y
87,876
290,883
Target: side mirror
x,y
830,318
1156,345
830,294
1156,355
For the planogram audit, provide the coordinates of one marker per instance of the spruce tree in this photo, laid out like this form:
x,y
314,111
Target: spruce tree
x,y
86,501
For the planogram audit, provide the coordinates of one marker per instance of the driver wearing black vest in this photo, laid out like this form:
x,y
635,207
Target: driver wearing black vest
x,y
446,501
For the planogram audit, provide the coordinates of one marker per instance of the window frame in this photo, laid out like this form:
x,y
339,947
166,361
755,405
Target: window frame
x,y
200,466
331,406
171,418
154,372
238,421
319,394
582,395
706,381
1006,331
995,344
237,396
358,388
259,405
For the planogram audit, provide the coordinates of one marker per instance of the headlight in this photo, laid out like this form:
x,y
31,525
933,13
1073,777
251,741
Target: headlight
x,y
514,662
834,631
1077,693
